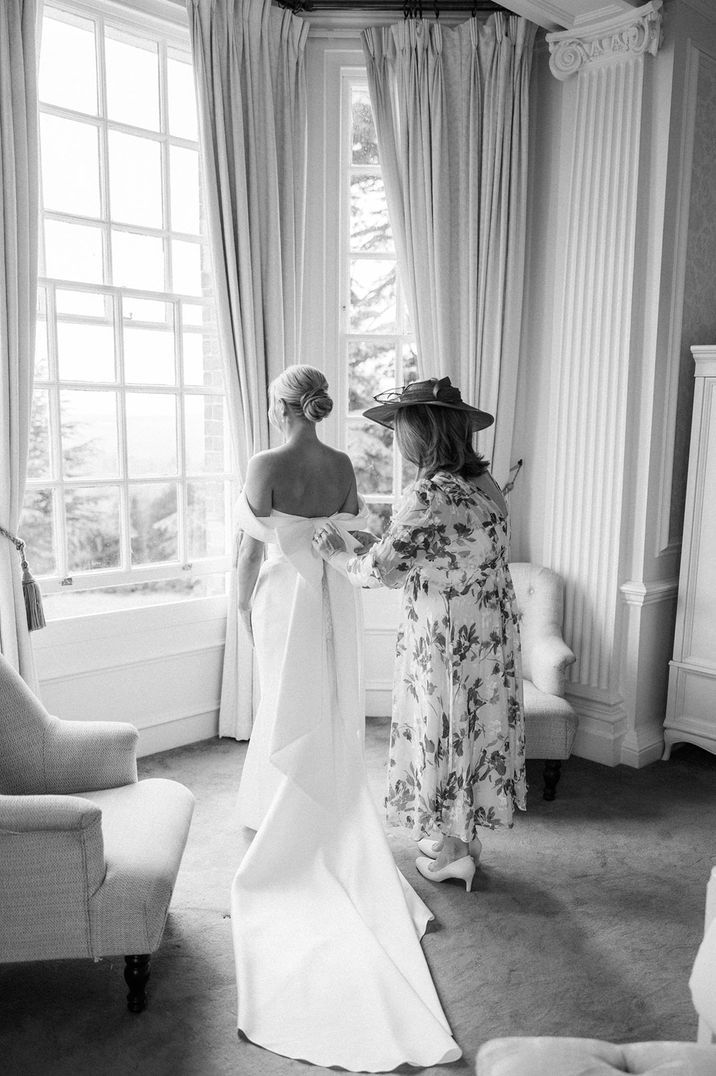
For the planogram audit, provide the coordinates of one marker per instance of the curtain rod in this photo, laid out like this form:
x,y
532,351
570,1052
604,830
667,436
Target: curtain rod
x,y
409,8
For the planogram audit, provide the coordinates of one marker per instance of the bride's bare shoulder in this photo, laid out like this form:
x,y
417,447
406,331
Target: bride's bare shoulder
x,y
341,460
265,462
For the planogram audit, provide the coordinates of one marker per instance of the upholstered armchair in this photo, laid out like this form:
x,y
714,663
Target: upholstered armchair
x,y
550,721
88,854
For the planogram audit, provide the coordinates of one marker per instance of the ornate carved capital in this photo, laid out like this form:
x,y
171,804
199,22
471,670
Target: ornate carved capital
x,y
631,34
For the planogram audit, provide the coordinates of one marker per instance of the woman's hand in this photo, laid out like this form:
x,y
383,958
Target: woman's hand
x,y
245,618
367,540
327,541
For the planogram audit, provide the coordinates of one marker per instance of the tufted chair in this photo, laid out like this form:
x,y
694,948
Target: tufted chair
x,y
88,854
550,721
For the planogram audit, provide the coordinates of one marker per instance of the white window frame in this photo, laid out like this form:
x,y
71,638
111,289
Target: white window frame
x,y
166,21
335,65
403,335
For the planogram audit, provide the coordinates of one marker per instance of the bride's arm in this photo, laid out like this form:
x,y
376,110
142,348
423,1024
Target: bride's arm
x,y
251,555
257,488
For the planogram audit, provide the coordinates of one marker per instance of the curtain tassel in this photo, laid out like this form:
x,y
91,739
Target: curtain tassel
x,y
514,471
30,588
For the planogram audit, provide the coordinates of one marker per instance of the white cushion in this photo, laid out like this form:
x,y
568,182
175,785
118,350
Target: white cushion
x,y
592,1057
703,979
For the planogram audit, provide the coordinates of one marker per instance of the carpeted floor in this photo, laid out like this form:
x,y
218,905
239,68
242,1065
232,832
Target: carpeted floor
x,y
584,920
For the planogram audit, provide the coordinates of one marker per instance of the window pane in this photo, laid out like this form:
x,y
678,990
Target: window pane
x,y
135,180
186,267
89,433
137,261
70,166
85,351
372,302
184,182
371,449
41,361
68,68
92,524
379,516
147,310
193,359
206,529
194,314
38,460
73,252
371,369
364,142
181,101
151,433
88,303
204,434
37,528
132,80
369,224
153,522
149,356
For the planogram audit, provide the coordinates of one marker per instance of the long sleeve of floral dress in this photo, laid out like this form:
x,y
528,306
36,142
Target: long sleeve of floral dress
x,y
406,543
457,743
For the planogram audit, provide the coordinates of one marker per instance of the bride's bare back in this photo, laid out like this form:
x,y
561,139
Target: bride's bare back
x,y
301,478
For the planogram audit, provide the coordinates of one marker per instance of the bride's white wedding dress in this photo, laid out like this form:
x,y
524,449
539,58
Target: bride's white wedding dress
x,y
326,930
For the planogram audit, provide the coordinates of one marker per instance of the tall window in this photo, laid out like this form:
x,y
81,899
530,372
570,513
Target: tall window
x,y
377,341
129,480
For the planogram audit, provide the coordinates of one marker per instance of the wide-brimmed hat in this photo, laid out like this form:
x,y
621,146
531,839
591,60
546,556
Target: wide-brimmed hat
x,y
435,392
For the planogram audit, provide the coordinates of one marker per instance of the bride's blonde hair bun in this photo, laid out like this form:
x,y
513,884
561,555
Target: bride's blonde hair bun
x,y
304,389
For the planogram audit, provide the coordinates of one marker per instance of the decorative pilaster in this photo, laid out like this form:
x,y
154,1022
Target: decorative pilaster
x,y
631,34
593,333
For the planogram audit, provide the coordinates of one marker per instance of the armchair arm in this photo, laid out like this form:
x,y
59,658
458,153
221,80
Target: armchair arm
x,y
83,756
51,814
51,862
549,661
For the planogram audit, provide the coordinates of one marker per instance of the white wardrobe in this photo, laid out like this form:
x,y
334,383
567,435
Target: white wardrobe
x,y
691,705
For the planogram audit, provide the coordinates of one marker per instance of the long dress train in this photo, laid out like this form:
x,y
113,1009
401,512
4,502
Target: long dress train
x,y
326,930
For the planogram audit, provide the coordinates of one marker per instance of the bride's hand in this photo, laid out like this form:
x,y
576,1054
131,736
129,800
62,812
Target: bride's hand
x,y
328,541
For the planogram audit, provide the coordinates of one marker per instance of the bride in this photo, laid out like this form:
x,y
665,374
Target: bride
x,y
326,930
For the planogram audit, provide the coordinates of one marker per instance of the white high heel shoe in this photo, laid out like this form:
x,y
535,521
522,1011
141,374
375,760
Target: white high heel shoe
x,y
430,847
463,869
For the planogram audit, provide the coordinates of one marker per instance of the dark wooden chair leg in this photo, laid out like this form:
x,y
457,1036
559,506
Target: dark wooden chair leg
x,y
136,974
552,772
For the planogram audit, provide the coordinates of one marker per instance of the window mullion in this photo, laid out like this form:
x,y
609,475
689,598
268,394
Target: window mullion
x,y
55,420
125,525
182,490
105,206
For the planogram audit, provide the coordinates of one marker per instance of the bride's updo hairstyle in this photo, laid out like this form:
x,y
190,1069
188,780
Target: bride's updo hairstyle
x,y
304,390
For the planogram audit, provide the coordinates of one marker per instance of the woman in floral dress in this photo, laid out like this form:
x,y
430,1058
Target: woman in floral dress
x,y
457,745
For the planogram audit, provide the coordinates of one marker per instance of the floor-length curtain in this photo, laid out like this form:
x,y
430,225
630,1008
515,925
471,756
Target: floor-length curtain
x,y
451,114
250,80
19,185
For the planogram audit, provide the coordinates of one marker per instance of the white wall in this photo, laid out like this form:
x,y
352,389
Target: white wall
x,y
157,667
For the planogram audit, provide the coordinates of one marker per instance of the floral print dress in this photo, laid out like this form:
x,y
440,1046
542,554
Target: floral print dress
x,y
457,744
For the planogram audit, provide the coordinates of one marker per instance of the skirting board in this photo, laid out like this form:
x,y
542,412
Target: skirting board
x,y
183,730
600,730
